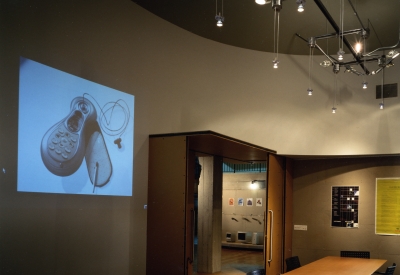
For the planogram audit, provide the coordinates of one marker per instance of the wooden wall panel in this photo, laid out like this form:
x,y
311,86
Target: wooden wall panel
x,y
274,216
190,214
166,206
288,205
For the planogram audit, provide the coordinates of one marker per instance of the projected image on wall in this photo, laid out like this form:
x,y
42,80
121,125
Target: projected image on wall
x,y
74,136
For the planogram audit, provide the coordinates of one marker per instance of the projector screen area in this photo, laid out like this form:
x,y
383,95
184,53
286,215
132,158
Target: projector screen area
x,y
74,136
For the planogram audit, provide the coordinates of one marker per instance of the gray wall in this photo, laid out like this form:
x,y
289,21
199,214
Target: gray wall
x,y
238,185
181,82
313,181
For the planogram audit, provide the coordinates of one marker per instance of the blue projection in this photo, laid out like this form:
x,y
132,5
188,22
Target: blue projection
x,y
74,136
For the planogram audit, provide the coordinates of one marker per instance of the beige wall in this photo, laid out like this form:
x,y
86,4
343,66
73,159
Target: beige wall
x,y
181,82
313,181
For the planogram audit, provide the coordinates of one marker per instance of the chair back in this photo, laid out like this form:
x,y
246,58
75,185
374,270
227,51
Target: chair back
x,y
292,263
355,254
390,269
256,272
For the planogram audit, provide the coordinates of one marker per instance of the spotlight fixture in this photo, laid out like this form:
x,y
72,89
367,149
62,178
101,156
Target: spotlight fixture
x,y
300,4
220,20
275,62
340,54
364,85
219,16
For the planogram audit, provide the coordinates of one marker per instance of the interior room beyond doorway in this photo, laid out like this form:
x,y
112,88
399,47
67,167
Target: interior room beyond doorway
x,y
242,231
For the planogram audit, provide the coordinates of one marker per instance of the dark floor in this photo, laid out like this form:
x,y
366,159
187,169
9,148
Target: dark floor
x,y
238,261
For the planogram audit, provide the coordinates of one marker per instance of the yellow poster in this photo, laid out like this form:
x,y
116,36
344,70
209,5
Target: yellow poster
x,y
387,206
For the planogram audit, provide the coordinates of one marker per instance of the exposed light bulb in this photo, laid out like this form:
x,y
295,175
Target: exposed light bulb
x,y
381,105
309,90
333,110
261,2
300,8
358,47
364,85
219,23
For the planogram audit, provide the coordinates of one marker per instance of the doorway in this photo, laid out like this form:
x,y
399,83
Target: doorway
x,y
241,208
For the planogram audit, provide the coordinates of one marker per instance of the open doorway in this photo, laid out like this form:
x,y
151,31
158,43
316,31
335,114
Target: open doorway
x,y
242,208
170,211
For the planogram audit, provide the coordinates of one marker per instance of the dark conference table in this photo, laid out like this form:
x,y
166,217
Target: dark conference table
x,y
333,265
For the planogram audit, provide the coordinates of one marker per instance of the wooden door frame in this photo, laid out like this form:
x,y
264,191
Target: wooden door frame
x,y
285,216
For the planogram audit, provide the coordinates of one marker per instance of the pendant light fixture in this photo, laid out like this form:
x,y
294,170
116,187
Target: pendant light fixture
x,y
300,3
336,70
381,105
364,35
340,53
310,62
219,16
276,6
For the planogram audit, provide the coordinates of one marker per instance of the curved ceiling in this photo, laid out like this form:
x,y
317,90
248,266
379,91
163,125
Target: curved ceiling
x,y
251,26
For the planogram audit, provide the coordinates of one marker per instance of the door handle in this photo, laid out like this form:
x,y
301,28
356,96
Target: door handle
x,y
271,226
193,219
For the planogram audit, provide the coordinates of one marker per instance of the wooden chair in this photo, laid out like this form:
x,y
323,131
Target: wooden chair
x,y
292,263
355,254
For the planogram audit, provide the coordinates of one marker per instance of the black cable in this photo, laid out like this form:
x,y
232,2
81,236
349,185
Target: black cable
x,y
104,124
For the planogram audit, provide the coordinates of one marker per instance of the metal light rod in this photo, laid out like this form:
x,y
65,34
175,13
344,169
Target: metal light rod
x,y
356,13
330,35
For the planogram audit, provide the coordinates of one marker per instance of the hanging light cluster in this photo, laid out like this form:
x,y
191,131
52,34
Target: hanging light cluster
x,y
360,55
